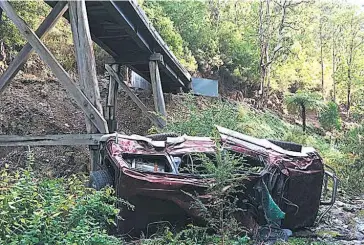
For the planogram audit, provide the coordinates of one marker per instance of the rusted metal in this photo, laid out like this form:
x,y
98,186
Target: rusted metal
x,y
148,175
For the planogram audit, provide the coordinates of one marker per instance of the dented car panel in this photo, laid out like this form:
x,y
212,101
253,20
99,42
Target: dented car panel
x,y
148,175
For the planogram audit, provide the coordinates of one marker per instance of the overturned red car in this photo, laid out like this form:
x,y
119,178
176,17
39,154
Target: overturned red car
x,y
150,173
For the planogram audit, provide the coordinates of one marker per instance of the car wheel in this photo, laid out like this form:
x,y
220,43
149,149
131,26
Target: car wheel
x,y
99,179
162,136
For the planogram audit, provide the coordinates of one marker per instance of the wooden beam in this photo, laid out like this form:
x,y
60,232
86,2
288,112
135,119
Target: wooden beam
x,y
86,68
61,139
159,104
85,57
82,101
153,118
111,104
24,54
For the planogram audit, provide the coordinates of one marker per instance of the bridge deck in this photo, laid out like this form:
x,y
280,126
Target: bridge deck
x,y
122,30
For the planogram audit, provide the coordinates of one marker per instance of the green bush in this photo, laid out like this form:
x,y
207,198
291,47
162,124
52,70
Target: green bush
x,y
54,211
330,117
196,120
192,235
352,167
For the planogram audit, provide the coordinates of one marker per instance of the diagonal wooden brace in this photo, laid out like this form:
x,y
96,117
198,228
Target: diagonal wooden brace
x,y
158,122
24,54
82,101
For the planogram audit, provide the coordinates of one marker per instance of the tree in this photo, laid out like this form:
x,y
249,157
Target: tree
x,y
273,35
330,117
353,39
336,33
303,101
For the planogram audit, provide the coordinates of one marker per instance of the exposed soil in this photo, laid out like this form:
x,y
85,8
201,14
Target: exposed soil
x,y
38,107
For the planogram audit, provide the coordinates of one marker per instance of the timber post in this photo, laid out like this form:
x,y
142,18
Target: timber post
x,y
111,103
151,116
159,104
86,67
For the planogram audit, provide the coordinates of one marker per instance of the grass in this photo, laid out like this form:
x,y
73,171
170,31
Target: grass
x,y
302,241
198,116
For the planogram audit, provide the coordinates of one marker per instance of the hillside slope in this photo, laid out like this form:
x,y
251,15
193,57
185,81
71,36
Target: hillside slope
x,y
39,107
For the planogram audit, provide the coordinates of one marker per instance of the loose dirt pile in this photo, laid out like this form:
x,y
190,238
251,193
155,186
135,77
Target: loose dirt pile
x,y
38,107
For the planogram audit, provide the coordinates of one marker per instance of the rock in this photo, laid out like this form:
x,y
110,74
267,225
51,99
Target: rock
x,y
349,209
339,204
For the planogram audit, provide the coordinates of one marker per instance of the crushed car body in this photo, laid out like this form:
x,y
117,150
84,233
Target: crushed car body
x,y
151,174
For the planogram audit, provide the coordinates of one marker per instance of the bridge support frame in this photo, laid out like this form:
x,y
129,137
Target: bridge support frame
x,y
111,102
157,121
86,65
159,103
88,97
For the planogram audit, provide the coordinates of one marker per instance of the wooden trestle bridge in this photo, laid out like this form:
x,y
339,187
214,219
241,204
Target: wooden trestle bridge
x,y
122,30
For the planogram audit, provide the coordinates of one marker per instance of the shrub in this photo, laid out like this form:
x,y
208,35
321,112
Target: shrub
x,y
221,209
330,118
197,120
192,235
54,211
352,167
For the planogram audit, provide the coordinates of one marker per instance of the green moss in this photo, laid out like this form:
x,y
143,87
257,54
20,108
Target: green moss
x,y
301,241
328,234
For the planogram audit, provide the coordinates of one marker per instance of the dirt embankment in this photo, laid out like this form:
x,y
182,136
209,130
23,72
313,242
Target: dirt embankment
x,y
39,107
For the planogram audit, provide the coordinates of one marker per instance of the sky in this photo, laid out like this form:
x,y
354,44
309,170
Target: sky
x,y
359,2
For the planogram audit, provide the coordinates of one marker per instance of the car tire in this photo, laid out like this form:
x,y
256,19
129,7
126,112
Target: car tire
x,y
289,146
100,179
162,136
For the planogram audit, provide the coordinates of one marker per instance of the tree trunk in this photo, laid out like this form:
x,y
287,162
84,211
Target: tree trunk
x,y
2,51
303,107
268,81
348,95
322,62
333,68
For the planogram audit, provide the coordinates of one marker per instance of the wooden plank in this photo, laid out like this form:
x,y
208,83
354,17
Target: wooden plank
x,y
153,118
61,139
82,101
25,52
159,104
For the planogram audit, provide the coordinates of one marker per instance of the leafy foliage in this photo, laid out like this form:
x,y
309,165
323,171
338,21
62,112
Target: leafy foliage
x,y
311,101
167,30
32,12
330,117
192,235
221,209
303,101
54,211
